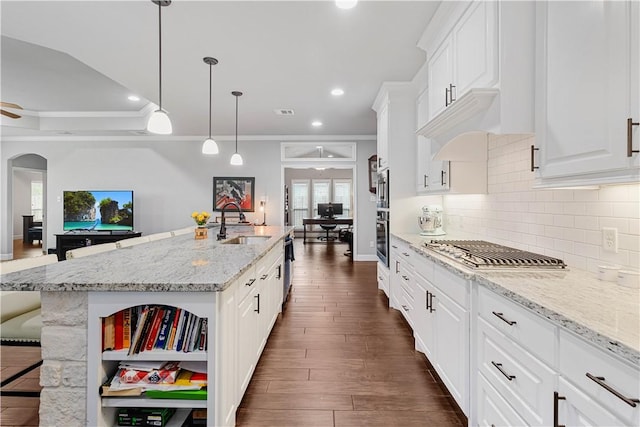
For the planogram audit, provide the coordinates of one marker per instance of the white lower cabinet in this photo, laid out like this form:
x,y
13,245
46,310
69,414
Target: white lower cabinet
x,y
493,409
383,278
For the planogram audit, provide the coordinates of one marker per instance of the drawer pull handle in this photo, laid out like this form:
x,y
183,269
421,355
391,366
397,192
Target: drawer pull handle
x,y
556,398
264,276
257,310
600,380
431,309
405,254
499,368
501,317
394,246
630,125
533,166
405,277
405,308
250,282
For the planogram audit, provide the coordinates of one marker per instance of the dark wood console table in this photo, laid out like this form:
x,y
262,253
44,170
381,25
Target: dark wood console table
x,y
31,230
320,221
74,240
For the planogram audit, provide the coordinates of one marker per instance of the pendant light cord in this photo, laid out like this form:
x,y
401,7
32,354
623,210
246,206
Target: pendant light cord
x,y
236,123
210,78
160,52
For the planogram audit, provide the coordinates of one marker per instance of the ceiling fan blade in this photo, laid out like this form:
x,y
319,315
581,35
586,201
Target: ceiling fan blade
x,y
10,105
9,114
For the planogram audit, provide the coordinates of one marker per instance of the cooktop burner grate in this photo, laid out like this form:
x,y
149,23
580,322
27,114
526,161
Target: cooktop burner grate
x,y
481,254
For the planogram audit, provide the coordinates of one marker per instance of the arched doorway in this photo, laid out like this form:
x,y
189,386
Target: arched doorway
x,y
27,185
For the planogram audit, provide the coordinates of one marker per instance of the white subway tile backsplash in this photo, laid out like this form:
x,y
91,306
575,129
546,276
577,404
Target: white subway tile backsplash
x,y
562,223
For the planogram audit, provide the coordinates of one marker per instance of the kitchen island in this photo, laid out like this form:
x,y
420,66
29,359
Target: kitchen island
x,y
236,287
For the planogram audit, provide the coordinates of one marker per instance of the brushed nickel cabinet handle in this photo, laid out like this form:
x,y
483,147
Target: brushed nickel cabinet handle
x,y
600,381
499,368
630,125
556,398
397,266
533,150
501,317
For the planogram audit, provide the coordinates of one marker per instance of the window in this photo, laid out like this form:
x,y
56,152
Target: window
x,y
300,199
321,193
342,194
36,200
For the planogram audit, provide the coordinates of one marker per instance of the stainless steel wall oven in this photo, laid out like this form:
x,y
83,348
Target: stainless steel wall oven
x,y
382,236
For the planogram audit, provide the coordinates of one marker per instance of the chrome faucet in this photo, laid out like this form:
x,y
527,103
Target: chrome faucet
x,y
222,234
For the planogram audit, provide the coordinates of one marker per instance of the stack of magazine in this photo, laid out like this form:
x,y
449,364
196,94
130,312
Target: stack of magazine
x,y
169,380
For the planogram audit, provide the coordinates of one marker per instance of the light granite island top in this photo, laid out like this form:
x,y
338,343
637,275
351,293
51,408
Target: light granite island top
x,y
174,264
603,313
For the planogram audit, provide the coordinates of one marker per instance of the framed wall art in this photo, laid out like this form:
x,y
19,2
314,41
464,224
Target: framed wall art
x,y
234,189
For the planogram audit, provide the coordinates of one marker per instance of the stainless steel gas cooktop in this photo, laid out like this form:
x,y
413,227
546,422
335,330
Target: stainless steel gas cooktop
x,y
478,254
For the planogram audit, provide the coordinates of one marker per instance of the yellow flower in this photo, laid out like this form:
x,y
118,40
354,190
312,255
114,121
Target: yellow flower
x,y
194,214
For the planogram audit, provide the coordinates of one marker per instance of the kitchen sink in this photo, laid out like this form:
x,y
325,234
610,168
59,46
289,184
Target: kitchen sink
x,y
246,240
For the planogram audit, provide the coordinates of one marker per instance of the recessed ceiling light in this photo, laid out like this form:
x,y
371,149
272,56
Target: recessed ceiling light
x,y
319,146
133,98
346,4
316,123
337,92
329,155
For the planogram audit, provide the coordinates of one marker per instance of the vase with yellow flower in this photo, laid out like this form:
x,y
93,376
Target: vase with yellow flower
x,y
201,219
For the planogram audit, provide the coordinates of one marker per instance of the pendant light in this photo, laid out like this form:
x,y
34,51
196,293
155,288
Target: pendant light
x,y
209,146
236,159
159,122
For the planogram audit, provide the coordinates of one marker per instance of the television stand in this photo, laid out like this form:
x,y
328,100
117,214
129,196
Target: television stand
x,y
79,239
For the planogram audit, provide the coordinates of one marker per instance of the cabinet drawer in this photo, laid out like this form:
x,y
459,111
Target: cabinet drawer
x,y
579,358
493,410
526,328
424,267
516,374
456,287
246,283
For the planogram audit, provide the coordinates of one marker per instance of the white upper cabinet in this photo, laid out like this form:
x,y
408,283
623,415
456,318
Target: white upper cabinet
x,y
466,58
383,136
431,175
587,89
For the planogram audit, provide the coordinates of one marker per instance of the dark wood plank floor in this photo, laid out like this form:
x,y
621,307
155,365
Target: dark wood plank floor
x,y
19,411
339,357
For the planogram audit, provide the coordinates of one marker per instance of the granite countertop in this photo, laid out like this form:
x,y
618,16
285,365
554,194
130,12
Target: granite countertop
x,y
175,264
603,313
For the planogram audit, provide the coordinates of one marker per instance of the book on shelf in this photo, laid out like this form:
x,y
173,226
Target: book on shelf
x,y
126,328
156,417
165,326
118,321
152,336
174,326
184,332
202,342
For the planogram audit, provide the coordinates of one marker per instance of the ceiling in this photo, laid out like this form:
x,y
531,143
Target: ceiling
x,y
72,64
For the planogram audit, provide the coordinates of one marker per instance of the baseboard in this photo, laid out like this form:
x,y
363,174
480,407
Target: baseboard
x,y
365,257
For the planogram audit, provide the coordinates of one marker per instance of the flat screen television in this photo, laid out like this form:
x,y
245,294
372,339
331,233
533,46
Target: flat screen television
x,y
98,210
329,210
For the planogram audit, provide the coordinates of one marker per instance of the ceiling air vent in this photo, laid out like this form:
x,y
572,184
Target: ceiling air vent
x,y
284,112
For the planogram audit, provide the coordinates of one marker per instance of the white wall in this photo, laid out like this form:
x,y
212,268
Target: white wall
x,y
562,223
21,198
170,179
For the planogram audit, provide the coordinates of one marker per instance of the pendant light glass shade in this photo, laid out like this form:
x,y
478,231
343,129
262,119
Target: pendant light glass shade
x,y
236,159
209,146
159,121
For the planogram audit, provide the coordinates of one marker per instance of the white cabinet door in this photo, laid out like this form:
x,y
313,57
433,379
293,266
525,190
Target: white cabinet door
x,y
383,136
587,86
440,77
247,339
475,38
226,355
431,175
425,318
452,347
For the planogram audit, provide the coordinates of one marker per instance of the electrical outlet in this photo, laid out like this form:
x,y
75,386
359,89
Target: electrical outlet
x,y
610,239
